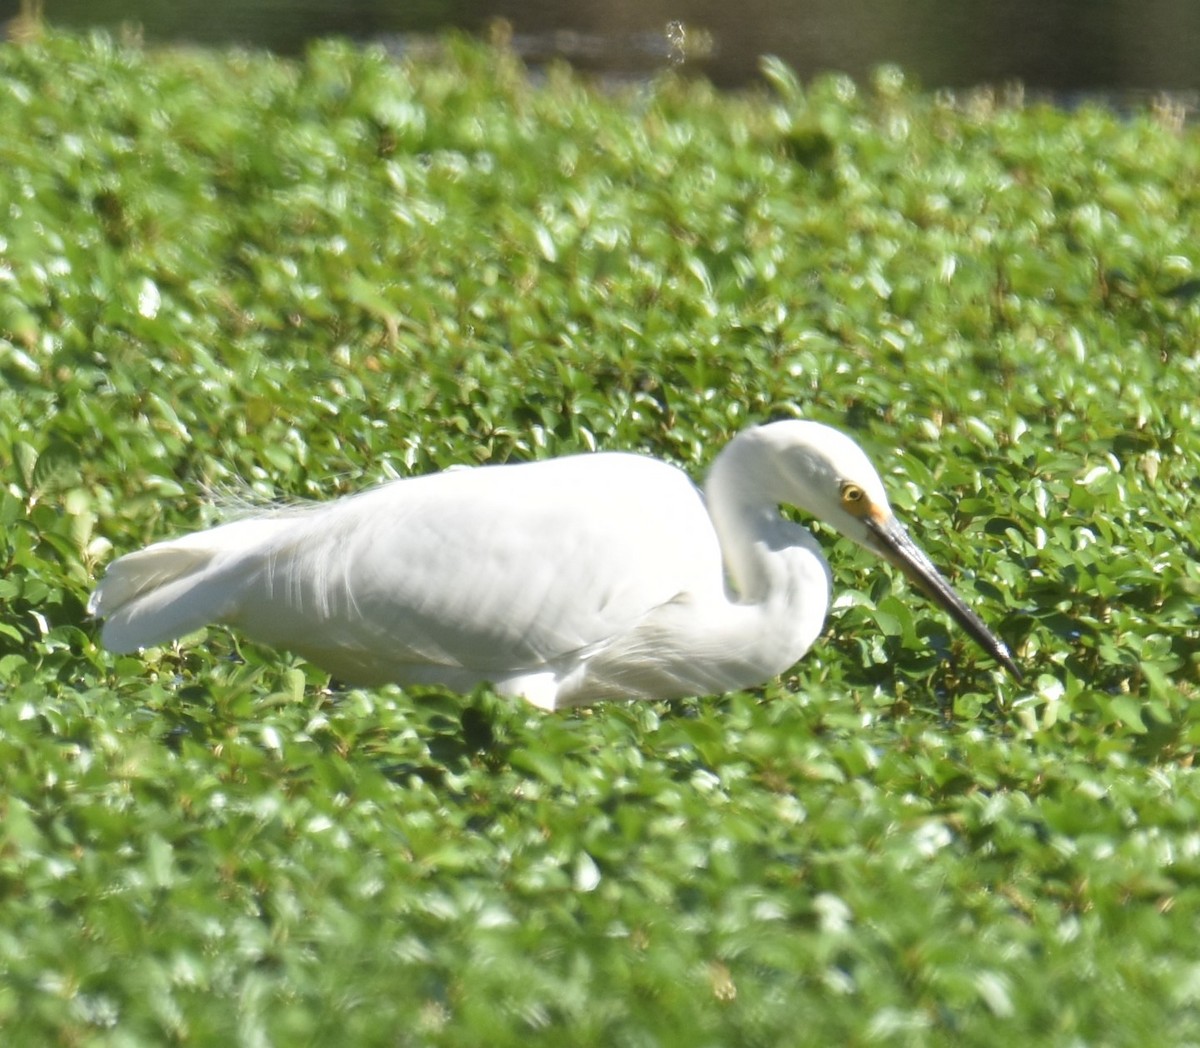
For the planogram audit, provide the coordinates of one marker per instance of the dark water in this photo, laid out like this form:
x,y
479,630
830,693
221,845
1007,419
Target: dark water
x,y
1064,47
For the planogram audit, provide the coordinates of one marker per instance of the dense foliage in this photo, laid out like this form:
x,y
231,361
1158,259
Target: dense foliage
x,y
230,271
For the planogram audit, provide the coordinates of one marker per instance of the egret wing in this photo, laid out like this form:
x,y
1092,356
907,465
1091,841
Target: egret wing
x,y
495,571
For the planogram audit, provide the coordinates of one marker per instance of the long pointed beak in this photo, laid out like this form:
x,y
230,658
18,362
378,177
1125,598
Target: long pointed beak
x,y
890,540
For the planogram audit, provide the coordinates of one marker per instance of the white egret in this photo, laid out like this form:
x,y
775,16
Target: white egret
x,y
566,581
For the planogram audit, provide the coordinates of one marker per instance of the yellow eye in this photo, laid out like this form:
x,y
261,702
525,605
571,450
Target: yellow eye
x,y
852,495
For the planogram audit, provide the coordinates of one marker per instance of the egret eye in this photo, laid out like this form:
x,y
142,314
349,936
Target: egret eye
x,y
853,496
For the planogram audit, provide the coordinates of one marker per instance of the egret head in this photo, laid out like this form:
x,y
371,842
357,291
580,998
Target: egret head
x,y
827,474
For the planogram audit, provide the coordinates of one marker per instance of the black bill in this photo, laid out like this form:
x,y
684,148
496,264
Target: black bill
x,y
892,542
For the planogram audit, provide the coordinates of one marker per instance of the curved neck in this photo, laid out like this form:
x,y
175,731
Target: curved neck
x,y
767,558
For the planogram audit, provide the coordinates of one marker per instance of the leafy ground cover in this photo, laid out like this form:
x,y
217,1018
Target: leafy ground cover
x,y
221,271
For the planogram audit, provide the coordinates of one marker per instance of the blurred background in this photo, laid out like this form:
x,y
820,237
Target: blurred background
x,y
1109,48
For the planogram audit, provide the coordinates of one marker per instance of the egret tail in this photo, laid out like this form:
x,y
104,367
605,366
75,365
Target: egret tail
x,y
175,587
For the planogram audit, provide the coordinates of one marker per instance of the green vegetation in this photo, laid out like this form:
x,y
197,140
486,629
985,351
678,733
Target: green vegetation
x,y
228,270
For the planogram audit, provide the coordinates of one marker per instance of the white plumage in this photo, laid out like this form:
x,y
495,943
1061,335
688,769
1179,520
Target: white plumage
x,y
566,581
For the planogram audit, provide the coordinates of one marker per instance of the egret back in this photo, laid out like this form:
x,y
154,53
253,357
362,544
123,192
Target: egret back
x,y
483,574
